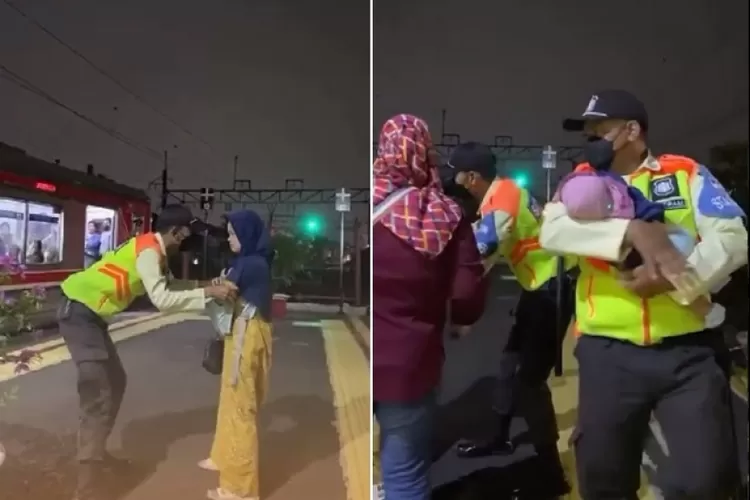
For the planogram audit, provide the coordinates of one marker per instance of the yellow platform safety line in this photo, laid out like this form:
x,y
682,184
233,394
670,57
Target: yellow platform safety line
x,y
349,372
565,398
362,330
55,351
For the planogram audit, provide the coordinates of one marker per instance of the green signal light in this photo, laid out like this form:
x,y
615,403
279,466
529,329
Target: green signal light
x,y
312,225
521,180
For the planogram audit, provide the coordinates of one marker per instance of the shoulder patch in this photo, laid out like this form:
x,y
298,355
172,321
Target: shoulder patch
x,y
535,208
714,200
486,235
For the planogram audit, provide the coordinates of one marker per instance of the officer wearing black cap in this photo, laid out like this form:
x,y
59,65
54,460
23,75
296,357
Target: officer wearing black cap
x,y
94,295
507,230
641,349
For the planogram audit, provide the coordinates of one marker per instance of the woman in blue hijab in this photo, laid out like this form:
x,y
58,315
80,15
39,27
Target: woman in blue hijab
x,y
247,361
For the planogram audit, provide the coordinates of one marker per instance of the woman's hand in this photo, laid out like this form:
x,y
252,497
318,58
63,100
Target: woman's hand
x,y
223,292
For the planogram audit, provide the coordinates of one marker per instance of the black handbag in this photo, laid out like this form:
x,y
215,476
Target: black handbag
x,y
213,355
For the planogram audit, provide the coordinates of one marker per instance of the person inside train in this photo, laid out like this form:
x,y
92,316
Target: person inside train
x,y
6,238
93,296
106,244
640,349
92,244
424,259
508,230
14,253
247,332
36,255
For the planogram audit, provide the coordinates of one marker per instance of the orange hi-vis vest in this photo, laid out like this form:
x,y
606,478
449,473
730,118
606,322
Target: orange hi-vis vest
x,y
603,306
531,264
110,285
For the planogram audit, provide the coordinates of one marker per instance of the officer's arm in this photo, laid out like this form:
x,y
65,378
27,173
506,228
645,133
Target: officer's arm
x,y
597,239
722,248
177,285
532,265
162,294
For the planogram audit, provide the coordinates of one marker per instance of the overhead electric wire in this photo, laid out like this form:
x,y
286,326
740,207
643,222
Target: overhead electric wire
x,y
23,83
107,75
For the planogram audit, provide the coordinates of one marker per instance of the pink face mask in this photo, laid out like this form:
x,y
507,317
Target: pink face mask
x,y
593,197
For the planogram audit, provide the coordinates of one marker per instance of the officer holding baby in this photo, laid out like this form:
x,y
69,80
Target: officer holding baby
x,y
642,348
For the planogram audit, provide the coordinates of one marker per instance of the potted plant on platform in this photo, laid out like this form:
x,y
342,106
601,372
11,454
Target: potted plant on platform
x,y
15,312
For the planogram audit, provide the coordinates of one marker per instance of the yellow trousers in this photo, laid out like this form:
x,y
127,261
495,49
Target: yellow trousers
x,y
235,446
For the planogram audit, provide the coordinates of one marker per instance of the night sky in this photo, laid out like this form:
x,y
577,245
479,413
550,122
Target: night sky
x,y
283,84
517,68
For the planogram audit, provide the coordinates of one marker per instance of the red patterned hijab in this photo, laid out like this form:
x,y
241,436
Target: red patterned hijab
x,y
425,218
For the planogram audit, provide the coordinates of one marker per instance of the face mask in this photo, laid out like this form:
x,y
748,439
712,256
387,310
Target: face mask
x,y
599,153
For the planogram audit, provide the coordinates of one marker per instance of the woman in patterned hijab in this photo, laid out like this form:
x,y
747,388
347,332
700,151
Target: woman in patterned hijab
x,y
426,270
424,217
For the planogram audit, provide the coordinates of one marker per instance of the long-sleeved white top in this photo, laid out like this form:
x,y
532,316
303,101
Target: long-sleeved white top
x,y
167,294
722,248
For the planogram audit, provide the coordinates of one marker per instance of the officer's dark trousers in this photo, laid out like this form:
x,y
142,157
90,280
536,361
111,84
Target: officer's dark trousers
x,y
529,357
683,381
101,382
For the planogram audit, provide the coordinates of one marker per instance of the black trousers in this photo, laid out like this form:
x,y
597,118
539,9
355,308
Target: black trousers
x,y
530,356
101,381
683,381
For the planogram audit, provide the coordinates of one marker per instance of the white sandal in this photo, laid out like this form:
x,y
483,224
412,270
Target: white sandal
x,y
208,465
221,494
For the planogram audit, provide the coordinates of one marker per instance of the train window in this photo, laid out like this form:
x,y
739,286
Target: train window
x,y
30,232
12,228
100,233
44,234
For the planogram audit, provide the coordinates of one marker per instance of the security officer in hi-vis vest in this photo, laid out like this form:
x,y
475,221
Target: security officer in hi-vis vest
x,y
91,297
508,230
641,349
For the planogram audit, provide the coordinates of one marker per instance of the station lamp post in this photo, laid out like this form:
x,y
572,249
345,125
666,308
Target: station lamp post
x,y
549,163
343,205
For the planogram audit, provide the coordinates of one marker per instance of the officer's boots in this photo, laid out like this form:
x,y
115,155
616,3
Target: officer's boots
x,y
497,443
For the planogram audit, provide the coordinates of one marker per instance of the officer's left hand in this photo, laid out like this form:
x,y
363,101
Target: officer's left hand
x,y
642,284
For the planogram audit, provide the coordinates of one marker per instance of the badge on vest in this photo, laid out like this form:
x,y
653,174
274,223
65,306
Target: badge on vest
x,y
674,204
664,188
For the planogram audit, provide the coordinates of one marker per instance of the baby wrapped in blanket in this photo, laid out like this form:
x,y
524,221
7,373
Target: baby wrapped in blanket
x,y
601,195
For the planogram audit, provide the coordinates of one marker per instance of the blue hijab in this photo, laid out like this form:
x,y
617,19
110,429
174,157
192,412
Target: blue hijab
x,y
250,270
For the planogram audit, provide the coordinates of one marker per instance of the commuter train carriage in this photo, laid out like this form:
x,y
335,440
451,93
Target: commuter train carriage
x,y
53,219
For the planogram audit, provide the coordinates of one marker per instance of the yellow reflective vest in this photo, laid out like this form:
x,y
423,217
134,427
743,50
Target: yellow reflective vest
x,y
604,307
507,204
110,285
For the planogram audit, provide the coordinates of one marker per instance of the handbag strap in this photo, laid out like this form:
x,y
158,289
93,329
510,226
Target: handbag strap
x,y
381,208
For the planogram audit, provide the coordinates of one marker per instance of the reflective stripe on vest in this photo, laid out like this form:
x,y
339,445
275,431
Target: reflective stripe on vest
x,y
604,307
110,285
532,266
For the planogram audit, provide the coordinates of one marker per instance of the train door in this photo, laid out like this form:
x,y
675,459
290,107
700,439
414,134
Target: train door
x,y
101,233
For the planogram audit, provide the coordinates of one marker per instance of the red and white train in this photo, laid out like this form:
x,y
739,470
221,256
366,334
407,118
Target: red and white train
x,y
48,214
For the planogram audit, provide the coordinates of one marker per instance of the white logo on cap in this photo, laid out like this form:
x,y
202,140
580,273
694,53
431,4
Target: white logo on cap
x,y
591,108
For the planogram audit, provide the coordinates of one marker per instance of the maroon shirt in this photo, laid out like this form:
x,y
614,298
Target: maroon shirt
x,y
411,293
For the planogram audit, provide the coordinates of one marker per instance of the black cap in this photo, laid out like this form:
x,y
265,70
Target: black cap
x,y
473,157
610,104
179,216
